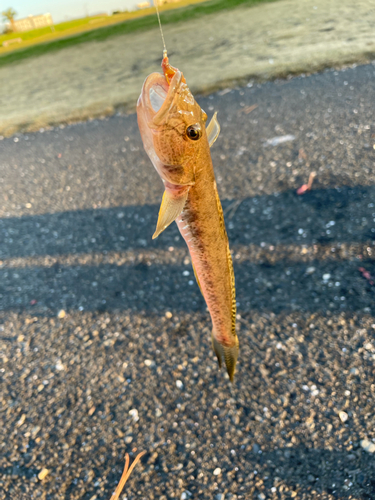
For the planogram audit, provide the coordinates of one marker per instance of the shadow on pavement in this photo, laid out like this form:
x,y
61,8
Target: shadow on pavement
x,y
272,219
319,217
321,470
282,287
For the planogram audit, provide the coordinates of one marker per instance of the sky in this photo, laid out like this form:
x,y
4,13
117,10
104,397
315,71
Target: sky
x,y
61,10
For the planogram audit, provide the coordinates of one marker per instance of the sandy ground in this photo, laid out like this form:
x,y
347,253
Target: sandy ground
x,y
269,40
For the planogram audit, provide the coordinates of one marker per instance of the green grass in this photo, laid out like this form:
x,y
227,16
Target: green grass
x,y
138,24
27,35
57,28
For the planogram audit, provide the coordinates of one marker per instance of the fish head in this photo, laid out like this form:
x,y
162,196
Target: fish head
x,y
172,126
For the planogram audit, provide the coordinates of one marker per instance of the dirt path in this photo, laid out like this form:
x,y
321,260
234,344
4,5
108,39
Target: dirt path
x,y
269,40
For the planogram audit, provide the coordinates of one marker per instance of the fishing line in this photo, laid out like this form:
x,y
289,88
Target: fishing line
x,y
161,31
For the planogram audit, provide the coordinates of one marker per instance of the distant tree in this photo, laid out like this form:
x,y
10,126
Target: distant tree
x,y
9,15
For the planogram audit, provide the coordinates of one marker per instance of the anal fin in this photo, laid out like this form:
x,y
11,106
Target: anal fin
x,y
197,279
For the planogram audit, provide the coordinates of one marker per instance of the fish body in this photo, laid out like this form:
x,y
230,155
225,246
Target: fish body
x,y
174,135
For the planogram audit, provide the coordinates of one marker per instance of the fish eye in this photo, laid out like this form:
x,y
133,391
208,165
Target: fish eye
x,y
194,132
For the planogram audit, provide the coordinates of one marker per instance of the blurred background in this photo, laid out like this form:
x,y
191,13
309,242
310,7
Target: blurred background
x,y
104,336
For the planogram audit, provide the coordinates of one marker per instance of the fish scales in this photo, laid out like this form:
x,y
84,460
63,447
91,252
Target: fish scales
x,y
201,226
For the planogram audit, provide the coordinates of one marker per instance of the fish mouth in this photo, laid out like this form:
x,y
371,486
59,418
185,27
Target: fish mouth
x,y
159,96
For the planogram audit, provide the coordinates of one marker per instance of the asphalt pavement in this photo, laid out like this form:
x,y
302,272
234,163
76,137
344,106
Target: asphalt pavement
x,y
264,41
104,336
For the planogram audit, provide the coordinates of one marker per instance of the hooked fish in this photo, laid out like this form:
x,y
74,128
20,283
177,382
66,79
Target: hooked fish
x,y
174,135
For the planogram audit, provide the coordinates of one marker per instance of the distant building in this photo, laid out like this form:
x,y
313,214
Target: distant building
x,y
32,22
143,5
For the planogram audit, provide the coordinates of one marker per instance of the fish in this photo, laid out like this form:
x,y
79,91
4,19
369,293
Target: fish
x,y
177,141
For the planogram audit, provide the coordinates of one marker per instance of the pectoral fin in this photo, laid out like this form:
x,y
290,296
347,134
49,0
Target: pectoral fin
x,y
171,207
213,130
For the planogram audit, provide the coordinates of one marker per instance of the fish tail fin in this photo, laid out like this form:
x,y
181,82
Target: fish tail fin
x,y
230,355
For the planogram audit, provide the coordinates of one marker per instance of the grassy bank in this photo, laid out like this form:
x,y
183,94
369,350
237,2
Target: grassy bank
x,y
58,29
131,24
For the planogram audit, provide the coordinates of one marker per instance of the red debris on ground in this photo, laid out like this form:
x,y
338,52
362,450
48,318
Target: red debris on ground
x,y
307,187
367,275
